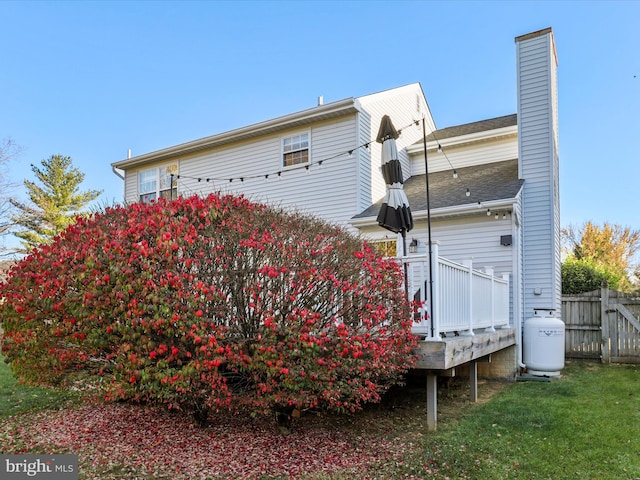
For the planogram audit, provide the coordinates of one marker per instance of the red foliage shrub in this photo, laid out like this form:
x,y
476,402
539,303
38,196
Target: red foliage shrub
x,y
209,303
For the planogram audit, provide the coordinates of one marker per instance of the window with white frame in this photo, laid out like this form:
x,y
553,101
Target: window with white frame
x,y
159,182
386,248
295,150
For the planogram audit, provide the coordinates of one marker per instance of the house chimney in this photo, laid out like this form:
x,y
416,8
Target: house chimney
x,y
320,100
538,165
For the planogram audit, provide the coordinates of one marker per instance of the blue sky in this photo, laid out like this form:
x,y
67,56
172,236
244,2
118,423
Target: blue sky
x,y
94,79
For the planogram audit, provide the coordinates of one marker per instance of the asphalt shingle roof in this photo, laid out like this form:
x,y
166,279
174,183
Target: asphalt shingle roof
x,y
492,181
474,127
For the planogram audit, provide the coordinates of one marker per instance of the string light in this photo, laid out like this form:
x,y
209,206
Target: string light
x,y
306,166
455,172
349,153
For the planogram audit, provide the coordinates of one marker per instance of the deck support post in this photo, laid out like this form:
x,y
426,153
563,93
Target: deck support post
x,y
432,401
473,380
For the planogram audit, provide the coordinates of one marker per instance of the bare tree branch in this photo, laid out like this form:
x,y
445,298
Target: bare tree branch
x,y
8,151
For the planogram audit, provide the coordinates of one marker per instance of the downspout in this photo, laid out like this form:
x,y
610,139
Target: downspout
x,y
115,170
520,343
518,312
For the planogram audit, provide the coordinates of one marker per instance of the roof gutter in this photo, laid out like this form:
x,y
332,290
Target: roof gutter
x,y
465,140
445,212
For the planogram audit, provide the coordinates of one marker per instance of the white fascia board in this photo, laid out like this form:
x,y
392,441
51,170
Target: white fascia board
x,y
463,140
446,212
304,117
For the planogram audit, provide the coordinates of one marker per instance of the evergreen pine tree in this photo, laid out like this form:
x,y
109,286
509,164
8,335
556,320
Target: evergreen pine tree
x,y
55,201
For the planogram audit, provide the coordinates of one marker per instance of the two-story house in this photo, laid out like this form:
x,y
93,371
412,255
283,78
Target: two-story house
x,y
493,184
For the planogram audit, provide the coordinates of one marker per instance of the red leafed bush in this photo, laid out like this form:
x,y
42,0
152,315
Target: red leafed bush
x,y
209,303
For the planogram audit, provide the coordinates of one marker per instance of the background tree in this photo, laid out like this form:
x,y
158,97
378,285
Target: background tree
x,y
579,276
54,202
608,250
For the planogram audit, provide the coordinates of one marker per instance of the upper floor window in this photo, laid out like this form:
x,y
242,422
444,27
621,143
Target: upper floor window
x,y
157,183
295,150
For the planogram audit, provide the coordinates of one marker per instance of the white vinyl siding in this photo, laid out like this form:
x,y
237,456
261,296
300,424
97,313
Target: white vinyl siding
x,y
364,165
475,238
131,186
327,190
337,190
537,131
466,156
404,106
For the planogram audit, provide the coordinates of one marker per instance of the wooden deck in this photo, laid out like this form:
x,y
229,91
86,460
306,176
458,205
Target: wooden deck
x,y
453,351
463,317
440,357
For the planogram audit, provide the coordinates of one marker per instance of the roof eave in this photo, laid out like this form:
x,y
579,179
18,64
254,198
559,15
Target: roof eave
x,y
304,117
444,212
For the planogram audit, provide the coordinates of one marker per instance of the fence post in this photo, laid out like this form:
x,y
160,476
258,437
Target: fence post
x,y
492,328
507,278
434,309
604,323
469,264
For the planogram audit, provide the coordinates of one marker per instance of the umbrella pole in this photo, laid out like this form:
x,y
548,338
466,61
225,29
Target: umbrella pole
x,y
404,264
426,171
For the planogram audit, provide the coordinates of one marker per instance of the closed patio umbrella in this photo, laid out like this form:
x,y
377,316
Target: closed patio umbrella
x,y
395,213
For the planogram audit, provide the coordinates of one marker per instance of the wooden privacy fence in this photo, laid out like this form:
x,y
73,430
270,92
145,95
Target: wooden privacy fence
x,y
603,324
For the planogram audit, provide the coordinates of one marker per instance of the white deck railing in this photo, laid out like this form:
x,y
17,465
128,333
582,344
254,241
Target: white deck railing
x,y
465,300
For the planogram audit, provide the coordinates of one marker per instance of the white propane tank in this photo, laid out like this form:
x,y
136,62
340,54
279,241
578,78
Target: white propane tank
x,y
543,343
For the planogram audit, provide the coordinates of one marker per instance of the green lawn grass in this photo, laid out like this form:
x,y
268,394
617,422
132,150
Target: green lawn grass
x,y
20,399
585,425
